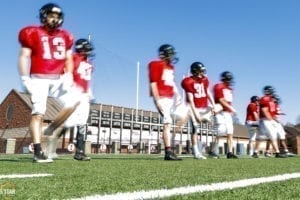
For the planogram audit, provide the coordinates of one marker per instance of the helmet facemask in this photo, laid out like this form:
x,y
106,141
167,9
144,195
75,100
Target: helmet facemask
x,y
254,99
51,16
227,78
198,69
269,90
168,53
84,47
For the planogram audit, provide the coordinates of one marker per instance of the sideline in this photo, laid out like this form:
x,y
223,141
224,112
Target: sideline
x,y
153,194
9,176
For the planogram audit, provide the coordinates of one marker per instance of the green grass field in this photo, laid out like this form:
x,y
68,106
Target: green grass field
x,y
110,174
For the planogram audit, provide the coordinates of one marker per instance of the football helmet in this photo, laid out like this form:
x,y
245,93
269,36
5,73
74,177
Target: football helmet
x,y
167,52
51,8
227,77
269,90
254,99
197,67
83,46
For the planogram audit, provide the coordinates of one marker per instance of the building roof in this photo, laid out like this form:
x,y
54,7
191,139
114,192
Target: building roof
x,y
293,131
53,105
240,131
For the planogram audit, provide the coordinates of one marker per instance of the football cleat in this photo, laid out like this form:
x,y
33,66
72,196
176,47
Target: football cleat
x,y
278,155
41,158
81,157
289,154
231,156
200,157
52,156
213,155
171,156
267,155
255,155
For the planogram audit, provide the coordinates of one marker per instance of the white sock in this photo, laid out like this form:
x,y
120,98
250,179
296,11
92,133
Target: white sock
x,y
195,150
250,152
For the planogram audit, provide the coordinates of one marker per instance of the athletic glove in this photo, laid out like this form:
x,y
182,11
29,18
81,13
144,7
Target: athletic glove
x,y
67,80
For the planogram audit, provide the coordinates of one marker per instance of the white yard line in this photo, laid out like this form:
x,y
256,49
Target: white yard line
x,y
153,194
9,176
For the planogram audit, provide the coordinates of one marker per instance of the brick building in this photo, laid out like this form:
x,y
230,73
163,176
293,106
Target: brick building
x,y
113,129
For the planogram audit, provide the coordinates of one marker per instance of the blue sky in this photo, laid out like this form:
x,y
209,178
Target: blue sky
x,y
258,41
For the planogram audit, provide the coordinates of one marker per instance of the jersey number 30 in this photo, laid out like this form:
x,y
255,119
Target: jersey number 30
x,y
200,91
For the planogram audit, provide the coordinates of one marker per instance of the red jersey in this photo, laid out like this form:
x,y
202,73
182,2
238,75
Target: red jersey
x,y
82,73
251,109
267,102
48,48
163,74
222,90
278,110
198,87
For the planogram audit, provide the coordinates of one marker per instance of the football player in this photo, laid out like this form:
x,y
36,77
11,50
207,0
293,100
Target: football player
x,y
280,129
223,95
252,121
198,95
81,92
164,91
45,66
267,126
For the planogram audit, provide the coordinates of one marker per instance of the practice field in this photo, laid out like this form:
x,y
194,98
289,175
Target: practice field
x,y
149,177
